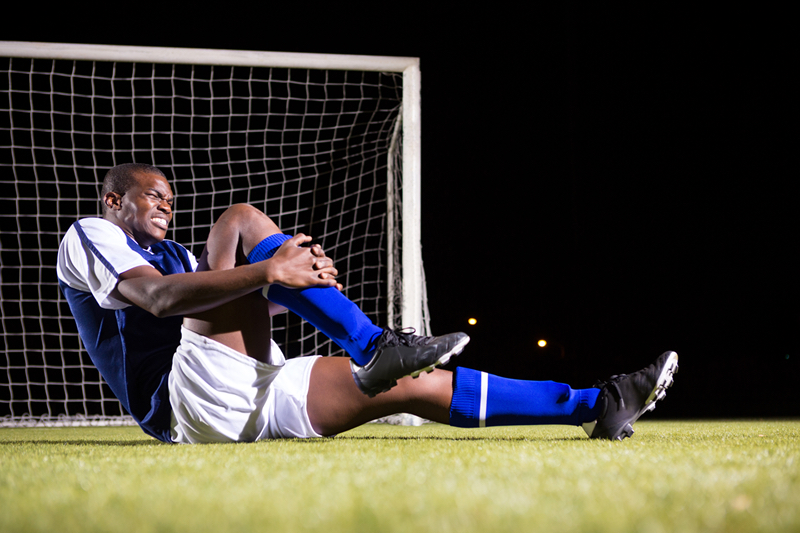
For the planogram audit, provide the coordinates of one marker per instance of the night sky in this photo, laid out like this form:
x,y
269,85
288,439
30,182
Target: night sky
x,y
615,180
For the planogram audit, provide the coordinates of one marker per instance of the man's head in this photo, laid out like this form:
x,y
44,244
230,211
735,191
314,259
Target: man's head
x,y
138,199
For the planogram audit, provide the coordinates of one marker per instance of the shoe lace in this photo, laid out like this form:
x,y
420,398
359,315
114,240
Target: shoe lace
x,y
404,336
611,385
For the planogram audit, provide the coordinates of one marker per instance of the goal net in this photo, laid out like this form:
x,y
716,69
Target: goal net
x,y
326,145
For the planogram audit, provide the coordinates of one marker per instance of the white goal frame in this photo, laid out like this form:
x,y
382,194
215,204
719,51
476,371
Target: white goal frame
x,y
405,283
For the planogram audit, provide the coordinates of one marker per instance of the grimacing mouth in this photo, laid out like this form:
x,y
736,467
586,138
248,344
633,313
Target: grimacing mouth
x,y
160,222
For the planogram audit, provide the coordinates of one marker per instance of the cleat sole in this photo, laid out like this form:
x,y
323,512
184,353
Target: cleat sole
x,y
664,381
443,360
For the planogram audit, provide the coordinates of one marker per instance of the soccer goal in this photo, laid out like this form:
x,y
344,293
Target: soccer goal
x,y
327,145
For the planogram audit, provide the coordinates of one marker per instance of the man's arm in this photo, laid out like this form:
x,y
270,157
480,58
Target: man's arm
x,y
184,294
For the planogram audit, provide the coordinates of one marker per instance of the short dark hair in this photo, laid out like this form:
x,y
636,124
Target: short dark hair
x,y
122,177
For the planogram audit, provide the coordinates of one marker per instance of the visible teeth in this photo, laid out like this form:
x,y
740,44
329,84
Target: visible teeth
x,y
159,221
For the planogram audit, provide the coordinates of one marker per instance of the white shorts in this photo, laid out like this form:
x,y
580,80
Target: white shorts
x,y
220,395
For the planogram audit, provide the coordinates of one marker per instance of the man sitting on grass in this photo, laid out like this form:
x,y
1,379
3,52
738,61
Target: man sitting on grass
x,y
185,344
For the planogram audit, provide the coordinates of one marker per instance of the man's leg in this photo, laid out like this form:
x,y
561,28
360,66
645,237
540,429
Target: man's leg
x,y
342,321
335,405
244,234
477,399
239,237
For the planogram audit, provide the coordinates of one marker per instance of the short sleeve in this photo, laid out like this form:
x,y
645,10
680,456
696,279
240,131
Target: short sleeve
x,y
91,257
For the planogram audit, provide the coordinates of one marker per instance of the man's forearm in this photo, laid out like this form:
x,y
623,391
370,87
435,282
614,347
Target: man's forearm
x,y
194,292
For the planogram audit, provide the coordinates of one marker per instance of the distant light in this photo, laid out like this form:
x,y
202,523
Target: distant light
x,y
472,321
542,343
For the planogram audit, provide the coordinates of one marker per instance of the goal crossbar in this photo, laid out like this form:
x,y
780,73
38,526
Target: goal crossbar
x,y
205,56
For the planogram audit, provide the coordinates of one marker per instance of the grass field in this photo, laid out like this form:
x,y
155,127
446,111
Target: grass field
x,y
726,476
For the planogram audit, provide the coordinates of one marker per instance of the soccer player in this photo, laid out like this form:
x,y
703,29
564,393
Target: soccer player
x,y
185,343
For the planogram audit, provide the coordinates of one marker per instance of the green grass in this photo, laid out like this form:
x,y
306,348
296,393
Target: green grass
x,y
671,476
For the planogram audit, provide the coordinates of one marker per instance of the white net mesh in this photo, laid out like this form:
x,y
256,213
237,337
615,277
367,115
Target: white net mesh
x,y
308,147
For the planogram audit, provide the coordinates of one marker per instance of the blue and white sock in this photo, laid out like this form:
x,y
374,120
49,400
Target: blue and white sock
x,y
481,399
326,308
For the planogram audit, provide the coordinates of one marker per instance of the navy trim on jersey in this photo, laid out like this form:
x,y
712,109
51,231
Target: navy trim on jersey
x,y
90,245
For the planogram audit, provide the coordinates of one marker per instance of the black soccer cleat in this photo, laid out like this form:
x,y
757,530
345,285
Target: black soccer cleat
x,y
399,354
627,397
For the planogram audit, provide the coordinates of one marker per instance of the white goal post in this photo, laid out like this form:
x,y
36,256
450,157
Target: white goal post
x,y
327,144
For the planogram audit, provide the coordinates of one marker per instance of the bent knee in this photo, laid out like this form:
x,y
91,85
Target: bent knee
x,y
244,211
249,218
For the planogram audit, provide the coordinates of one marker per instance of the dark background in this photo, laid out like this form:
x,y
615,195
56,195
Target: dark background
x,y
618,180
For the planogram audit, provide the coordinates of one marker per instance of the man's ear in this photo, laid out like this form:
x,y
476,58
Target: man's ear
x,y
112,200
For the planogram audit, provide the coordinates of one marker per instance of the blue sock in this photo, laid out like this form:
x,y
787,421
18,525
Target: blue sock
x,y
481,399
326,308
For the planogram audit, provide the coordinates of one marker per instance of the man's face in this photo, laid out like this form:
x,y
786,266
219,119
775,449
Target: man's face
x,y
145,211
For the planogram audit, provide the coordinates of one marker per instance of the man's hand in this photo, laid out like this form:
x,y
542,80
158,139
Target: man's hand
x,y
299,267
323,262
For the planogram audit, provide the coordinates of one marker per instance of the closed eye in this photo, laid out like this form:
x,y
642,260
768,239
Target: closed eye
x,y
160,198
